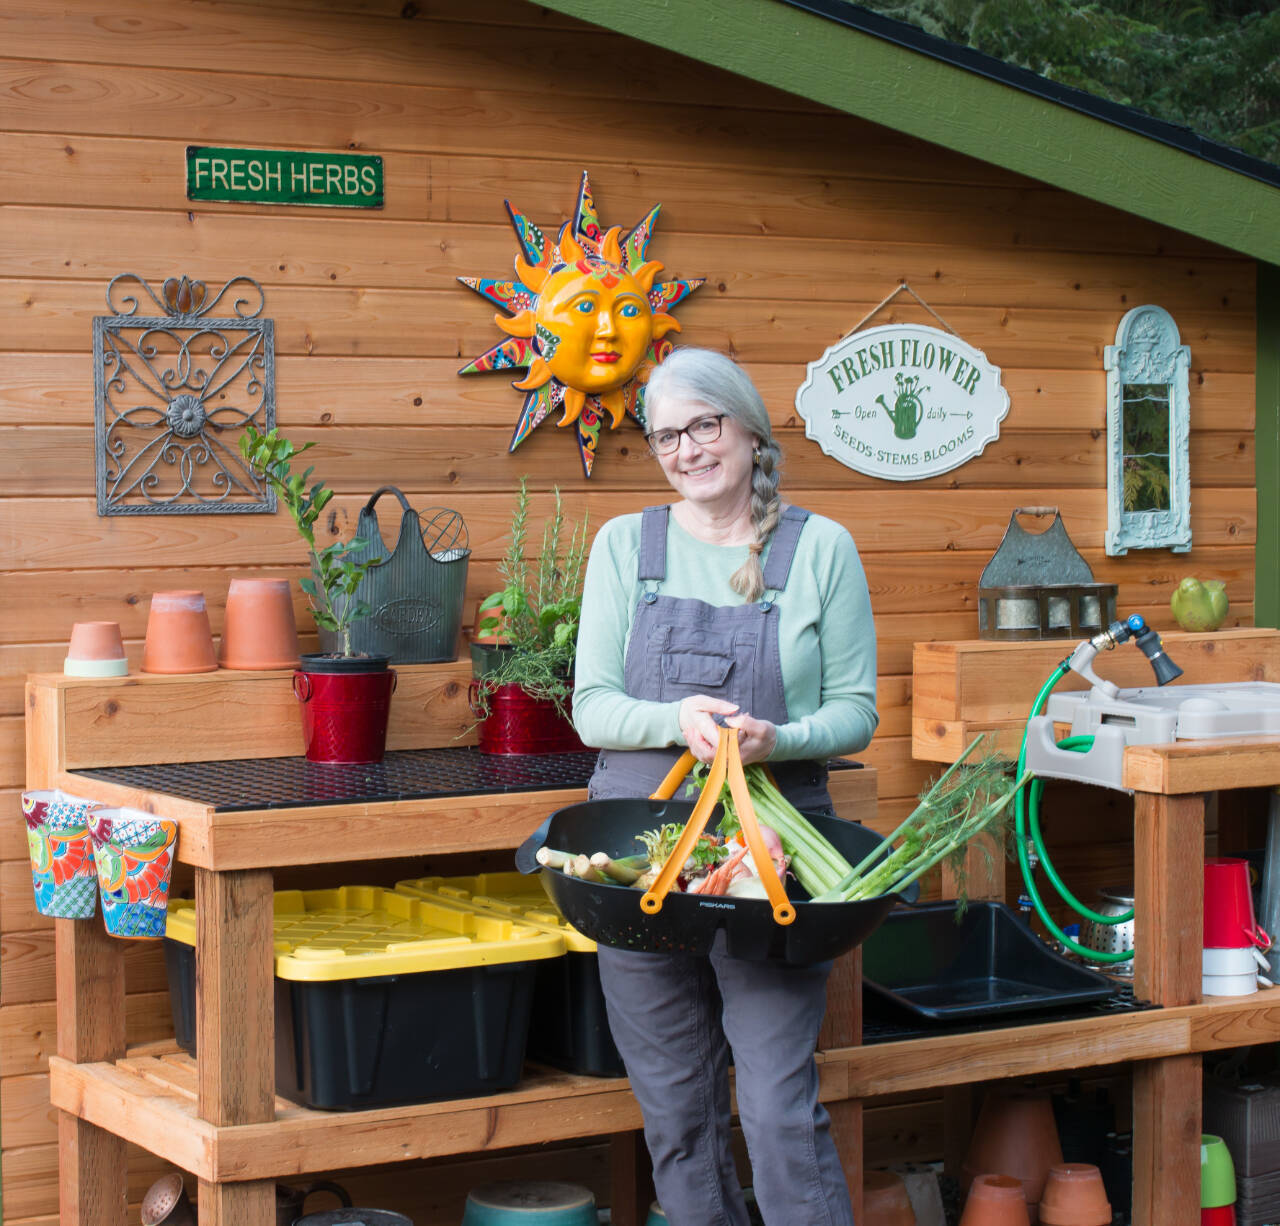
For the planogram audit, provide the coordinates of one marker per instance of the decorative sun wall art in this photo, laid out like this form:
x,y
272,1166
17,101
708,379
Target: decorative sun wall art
x,y
587,320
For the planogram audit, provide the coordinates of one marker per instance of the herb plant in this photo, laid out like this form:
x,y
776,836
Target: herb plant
x,y
541,605
335,578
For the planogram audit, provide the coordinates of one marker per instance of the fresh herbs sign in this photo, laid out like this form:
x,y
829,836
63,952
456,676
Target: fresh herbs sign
x,y
284,176
902,402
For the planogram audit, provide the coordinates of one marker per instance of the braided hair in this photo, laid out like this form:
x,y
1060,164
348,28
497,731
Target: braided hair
x,y
707,377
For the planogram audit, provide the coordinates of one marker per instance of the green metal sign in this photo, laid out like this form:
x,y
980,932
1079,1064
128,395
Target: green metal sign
x,y
284,176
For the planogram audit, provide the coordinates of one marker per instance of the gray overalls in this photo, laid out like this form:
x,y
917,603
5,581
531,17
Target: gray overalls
x,y
675,1017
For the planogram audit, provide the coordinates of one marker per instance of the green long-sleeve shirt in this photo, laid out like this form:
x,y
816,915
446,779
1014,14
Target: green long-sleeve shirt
x,y
826,639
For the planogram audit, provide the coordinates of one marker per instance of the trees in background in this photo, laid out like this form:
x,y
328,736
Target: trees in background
x,y
1212,66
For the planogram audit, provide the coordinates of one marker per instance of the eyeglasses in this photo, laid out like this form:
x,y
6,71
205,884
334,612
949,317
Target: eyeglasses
x,y
704,430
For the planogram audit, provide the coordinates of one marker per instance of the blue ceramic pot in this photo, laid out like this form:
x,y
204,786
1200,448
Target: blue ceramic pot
x,y
530,1204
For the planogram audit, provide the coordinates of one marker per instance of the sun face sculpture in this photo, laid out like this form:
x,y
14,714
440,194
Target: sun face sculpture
x,y
587,319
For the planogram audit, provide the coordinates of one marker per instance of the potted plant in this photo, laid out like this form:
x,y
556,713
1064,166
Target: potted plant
x,y
524,686
346,695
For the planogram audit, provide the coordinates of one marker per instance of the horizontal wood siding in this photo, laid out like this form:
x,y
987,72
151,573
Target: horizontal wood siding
x,y
800,219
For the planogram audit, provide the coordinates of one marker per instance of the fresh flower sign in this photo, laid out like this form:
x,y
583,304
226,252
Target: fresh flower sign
x,y
902,402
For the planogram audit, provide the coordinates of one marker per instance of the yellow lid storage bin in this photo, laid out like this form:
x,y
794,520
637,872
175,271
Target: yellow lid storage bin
x,y
569,1027
383,998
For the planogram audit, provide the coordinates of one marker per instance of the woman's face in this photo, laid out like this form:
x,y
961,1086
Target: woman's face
x,y
711,473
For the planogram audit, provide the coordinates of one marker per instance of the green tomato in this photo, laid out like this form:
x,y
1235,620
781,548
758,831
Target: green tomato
x,y
1199,605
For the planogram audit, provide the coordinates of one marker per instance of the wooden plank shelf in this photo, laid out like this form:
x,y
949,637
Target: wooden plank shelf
x,y
962,688
152,1100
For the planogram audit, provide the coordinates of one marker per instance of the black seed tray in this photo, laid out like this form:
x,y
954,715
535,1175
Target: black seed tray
x,y
880,1026
403,774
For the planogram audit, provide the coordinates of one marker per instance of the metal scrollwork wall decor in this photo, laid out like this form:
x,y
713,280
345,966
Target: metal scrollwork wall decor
x,y
173,392
1148,435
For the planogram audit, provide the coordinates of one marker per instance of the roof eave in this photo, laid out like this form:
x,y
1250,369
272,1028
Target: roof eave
x,y
904,89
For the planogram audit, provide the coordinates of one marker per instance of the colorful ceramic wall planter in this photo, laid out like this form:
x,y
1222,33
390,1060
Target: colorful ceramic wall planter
x,y
134,854
62,866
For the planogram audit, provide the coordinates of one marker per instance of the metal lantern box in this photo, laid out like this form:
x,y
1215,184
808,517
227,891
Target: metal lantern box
x,y
1037,586
416,593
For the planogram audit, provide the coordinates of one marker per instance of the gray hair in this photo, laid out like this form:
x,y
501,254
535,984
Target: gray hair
x,y
707,377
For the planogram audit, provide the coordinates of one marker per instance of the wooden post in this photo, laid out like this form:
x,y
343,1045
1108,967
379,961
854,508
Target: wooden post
x,y
1168,897
842,1027
1168,937
235,1026
92,1182
630,1178
1166,1142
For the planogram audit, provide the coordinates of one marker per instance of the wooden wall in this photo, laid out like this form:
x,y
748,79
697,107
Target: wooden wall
x,y
800,219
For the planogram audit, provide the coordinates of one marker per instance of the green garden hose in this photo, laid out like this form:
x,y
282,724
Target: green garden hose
x,y
1027,824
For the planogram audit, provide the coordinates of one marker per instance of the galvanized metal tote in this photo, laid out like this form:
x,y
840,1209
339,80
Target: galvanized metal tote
x,y
416,593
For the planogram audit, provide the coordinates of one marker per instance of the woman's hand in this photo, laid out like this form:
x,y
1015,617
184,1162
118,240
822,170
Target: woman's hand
x,y
698,728
757,738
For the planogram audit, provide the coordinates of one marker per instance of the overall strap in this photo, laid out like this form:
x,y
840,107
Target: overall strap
x,y
783,548
652,563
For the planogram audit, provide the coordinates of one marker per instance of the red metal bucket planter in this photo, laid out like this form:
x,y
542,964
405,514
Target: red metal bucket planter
x,y
344,712
518,723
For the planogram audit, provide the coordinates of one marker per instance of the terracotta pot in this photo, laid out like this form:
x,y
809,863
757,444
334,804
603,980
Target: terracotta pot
x,y
259,631
96,650
1074,1196
1015,1135
995,1200
885,1201
178,636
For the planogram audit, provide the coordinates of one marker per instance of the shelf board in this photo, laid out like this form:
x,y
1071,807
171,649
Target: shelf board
x,y
969,686
150,1099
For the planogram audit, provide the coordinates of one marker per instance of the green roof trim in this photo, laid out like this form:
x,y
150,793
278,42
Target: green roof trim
x,y
1266,433
905,90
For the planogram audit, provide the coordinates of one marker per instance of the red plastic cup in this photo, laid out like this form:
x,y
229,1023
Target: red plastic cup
x,y
1223,1215
1229,921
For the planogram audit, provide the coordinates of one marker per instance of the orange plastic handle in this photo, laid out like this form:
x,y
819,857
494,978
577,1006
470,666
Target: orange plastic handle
x,y
784,911
667,788
651,903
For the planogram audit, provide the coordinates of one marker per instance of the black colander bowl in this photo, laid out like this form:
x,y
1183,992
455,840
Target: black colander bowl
x,y
687,923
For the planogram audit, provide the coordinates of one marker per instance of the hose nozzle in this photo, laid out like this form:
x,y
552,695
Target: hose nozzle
x,y
1149,644
1133,627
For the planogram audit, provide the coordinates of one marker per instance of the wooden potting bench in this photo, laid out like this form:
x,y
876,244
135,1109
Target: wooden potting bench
x,y
217,1116
963,688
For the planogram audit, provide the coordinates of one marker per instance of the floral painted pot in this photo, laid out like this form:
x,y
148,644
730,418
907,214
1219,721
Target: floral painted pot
x,y
134,854
62,868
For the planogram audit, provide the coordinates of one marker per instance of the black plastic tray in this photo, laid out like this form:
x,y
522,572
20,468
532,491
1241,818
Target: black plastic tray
x,y
923,961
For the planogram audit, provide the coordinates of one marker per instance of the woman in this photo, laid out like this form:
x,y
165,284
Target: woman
x,y
725,603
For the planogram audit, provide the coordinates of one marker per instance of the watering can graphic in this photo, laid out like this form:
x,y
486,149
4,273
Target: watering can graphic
x,y
908,408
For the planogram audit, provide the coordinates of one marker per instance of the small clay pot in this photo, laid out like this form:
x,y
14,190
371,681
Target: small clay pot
x,y
1016,1135
885,1201
995,1200
96,650
259,631
178,636
1074,1196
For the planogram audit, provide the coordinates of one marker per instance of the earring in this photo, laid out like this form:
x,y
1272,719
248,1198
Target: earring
x,y
755,456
